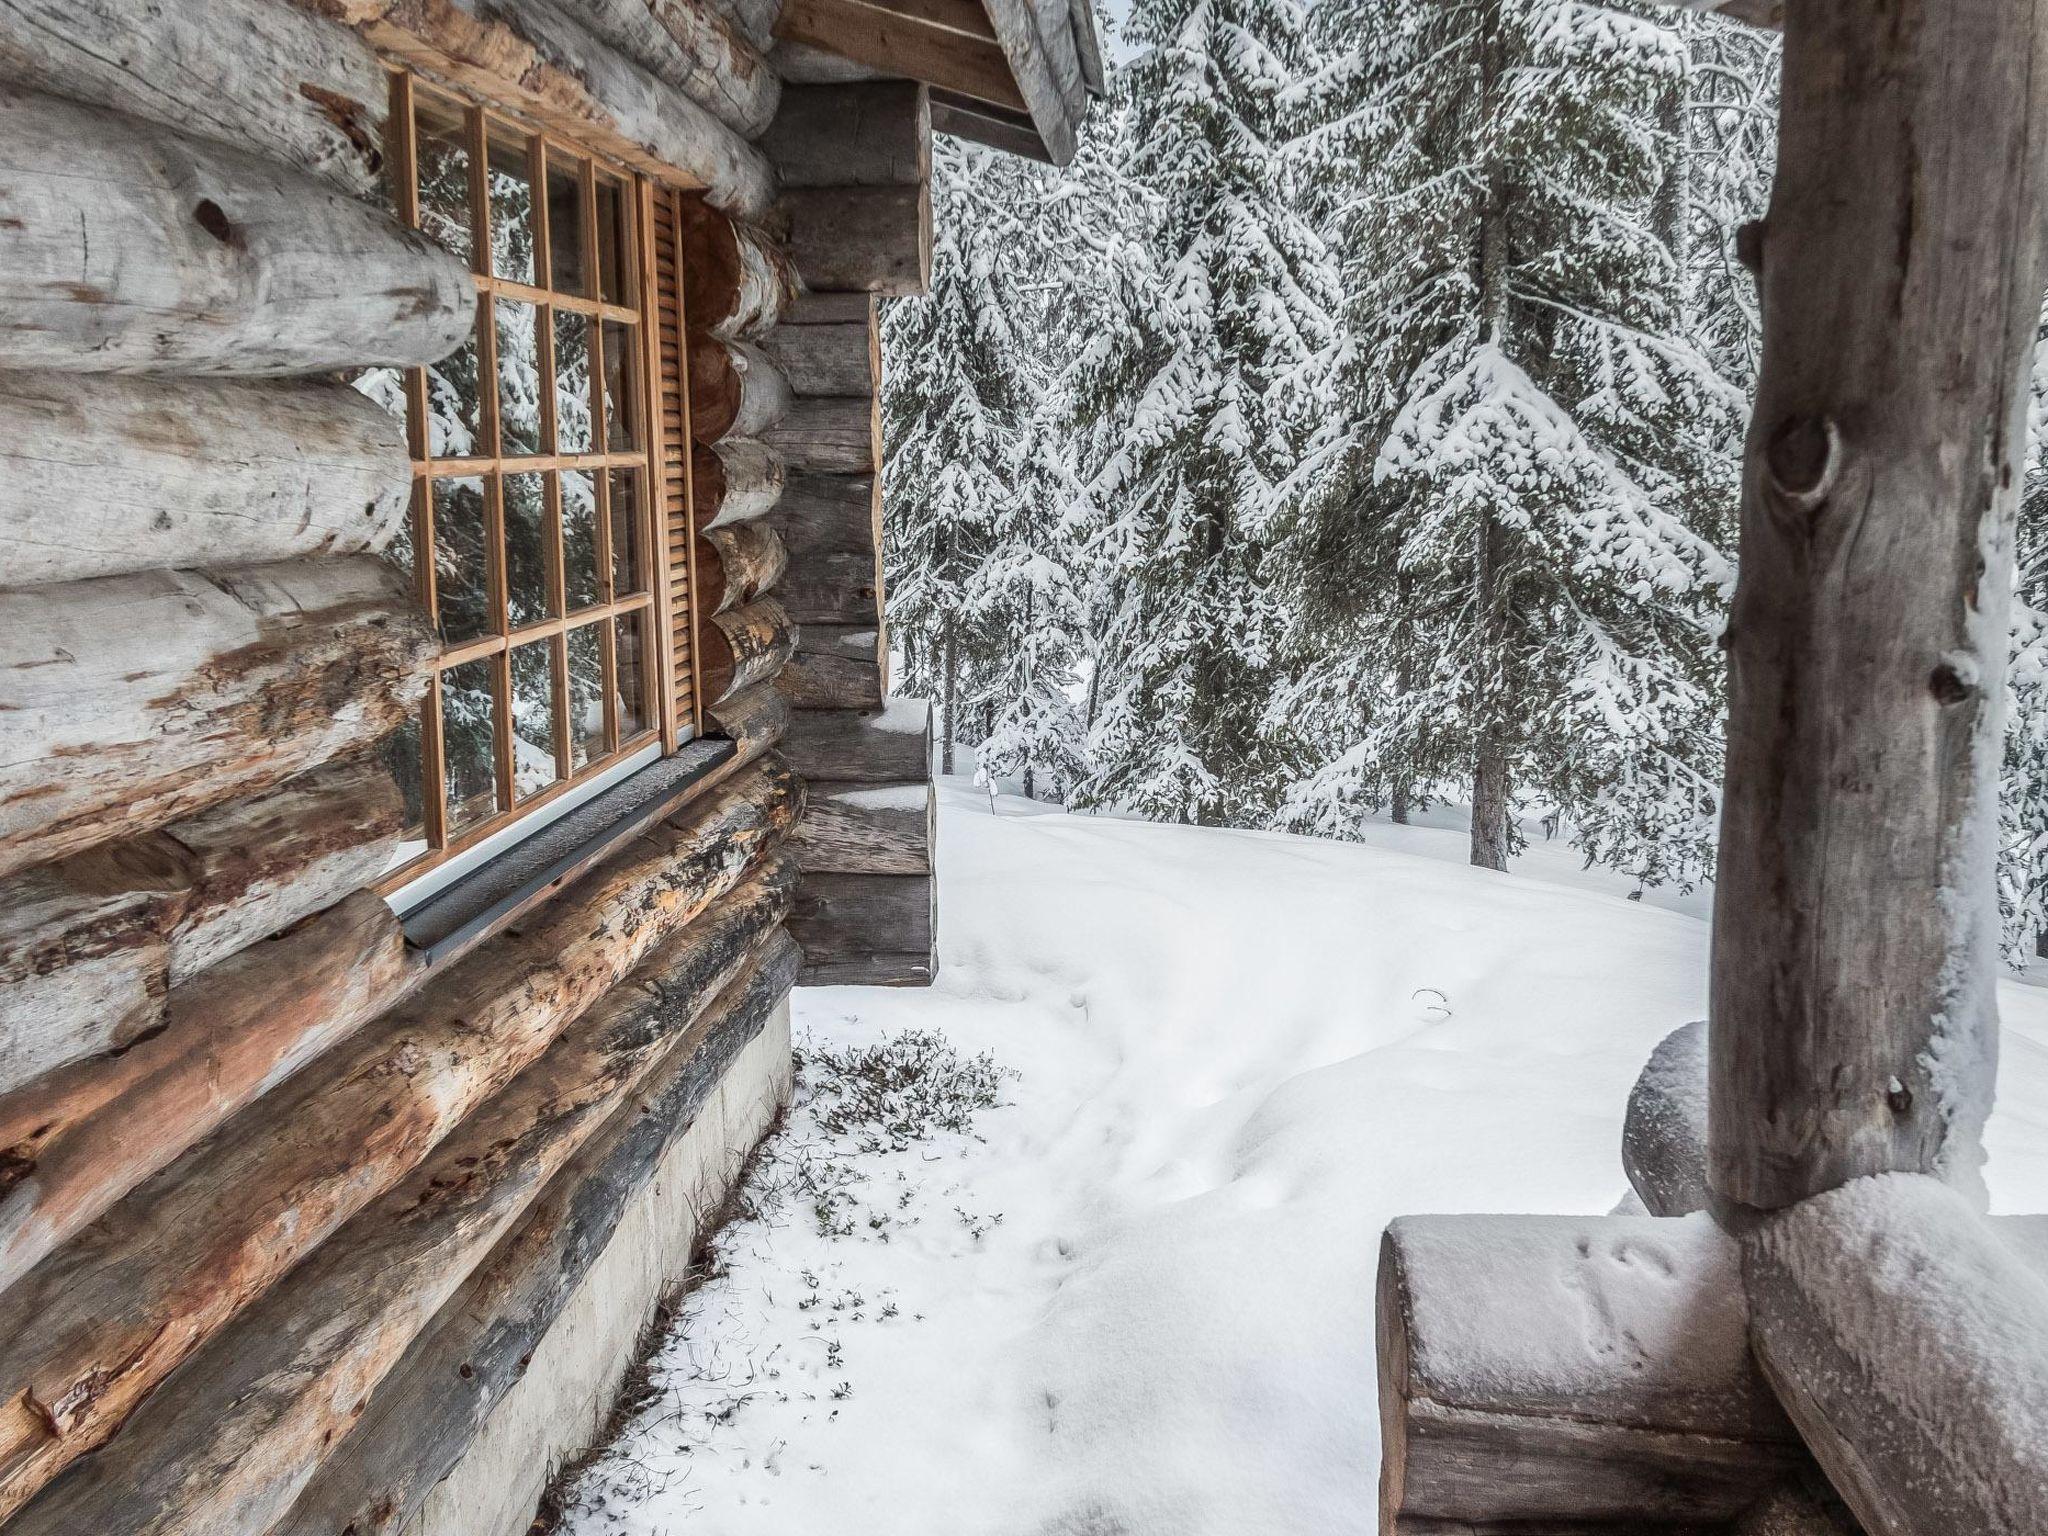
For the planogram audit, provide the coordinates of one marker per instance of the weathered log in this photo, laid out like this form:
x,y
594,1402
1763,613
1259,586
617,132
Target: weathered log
x,y
835,589
75,1141
1664,1137
744,648
237,1432
1047,71
830,515
260,76
756,719
131,249
87,1334
101,476
1908,1339
734,481
752,19
873,134
432,1405
533,56
840,437
836,666
735,565
832,309
890,748
868,829
861,239
843,359
734,390
696,51
130,701
90,945
84,956
1566,1369
1855,936
866,930
737,281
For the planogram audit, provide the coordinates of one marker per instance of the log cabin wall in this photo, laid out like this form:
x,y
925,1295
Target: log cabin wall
x,y
315,1218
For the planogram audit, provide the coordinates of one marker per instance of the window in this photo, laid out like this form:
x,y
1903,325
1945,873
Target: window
x,y
538,478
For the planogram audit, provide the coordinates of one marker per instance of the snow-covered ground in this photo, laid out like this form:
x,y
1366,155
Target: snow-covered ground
x,y
1136,1299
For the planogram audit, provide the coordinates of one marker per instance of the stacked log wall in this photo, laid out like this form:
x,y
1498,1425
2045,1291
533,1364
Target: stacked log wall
x,y
262,1165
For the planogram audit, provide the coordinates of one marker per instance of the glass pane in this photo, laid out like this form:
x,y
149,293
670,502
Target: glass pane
x,y
586,697
469,713
526,551
565,227
632,674
401,753
579,538
618,385
533,718
461,576
452,404
444,174
611,241
518,377
511,187
572,382
625,514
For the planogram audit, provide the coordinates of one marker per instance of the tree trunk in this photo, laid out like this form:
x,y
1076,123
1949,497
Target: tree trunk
x,y
950,661
131,249
1490,796
103,476
1855,930
1397,803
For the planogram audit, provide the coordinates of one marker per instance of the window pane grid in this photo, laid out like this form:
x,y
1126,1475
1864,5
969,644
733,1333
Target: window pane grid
x,y
515,695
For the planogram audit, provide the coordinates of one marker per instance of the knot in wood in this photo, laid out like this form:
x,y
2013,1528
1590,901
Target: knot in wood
x,y
1898,1097
214,220
1953,681
1749,246
1803,459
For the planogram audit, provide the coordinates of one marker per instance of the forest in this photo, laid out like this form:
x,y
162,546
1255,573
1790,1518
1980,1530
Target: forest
x,y
1357,425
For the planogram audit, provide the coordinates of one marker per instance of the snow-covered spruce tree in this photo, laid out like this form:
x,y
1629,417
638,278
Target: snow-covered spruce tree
x,y
957,396
1553,458
2023,783
1196,399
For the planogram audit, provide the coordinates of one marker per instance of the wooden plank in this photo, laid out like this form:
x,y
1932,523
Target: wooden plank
x,y
429,1409
875,134
89,1333
130,701
889,748
1047,73
979,123
160,474
237,1432
866,930
868,829
131,249
1855,955
896,44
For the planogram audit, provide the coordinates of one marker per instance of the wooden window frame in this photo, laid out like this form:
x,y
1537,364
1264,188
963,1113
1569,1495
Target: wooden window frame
x,y
649,306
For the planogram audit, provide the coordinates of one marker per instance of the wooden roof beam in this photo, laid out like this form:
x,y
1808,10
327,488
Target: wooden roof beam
x,y
912,42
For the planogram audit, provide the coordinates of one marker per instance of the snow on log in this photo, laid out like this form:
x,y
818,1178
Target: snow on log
x,y
836,666
734,390
693,50
1664,1137
1908,1339
843,359
1569,1369
744,648
734,481
861,239
890,748
1902,261
868,829
91,945
96,1326
130,249
838,436
866,930
738,281
102,476
130,701
756,719
80,1138
431,1406
535,57
274,79
237,1432
735,565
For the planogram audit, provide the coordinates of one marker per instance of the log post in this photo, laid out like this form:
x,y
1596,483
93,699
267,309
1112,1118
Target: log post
x,y
1855,925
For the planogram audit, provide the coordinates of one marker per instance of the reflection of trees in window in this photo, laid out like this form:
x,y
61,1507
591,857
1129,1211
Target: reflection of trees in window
x,y
533,718
469,736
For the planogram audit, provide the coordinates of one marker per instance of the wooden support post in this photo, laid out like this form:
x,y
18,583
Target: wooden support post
x,y
1856,926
